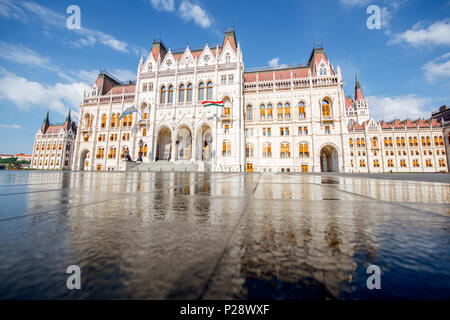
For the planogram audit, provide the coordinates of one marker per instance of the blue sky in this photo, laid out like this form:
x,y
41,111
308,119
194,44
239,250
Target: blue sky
x,y
404,67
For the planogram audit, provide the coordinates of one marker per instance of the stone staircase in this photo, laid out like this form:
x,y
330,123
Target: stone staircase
x,y
167,166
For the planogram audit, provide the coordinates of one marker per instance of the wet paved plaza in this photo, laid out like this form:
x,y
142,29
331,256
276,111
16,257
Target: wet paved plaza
x,y
222,236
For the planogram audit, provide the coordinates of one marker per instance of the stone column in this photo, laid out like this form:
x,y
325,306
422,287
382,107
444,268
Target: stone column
x,y
173,149
193,147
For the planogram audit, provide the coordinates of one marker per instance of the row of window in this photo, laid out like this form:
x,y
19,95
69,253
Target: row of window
x,y
303,150
402,163
113,152
66,162
400,141
52,146
185,93
284,112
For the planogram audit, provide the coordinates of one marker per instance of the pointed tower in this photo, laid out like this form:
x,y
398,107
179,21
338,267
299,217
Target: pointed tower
x,y
358,91
46,123
361,105
68,122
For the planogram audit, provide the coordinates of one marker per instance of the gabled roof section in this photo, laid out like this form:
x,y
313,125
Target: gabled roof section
x,y
230,37
159,50
348,102
317,55
105,82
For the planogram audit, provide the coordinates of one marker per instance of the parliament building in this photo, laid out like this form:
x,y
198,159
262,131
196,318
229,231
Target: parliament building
x,y
293,119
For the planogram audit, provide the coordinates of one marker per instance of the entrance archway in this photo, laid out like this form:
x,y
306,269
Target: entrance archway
x,y
329,159
184,144
204,144
164,147
84,160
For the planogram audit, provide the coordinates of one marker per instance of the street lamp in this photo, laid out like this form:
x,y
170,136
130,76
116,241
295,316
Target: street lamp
x,y
141,144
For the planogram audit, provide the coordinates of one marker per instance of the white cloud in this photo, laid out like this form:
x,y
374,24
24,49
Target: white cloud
x,y
275,63
163,5
189,11
9,10
11,126
355,2
437,68
22,55
400,107
26,94
49,17
437,33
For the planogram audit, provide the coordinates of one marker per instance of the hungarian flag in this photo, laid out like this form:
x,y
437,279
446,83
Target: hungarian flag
x,y
212,103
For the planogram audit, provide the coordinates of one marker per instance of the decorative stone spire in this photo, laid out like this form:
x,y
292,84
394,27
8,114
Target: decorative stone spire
x,y
358,91
46,123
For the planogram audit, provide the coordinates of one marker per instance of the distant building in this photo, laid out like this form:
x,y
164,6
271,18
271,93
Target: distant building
x,y
53,145
23,157
6,156
443,116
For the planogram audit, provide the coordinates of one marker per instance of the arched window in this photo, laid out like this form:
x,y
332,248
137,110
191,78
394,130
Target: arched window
x,y
189,93
88,120
301,110
209,91
100,153
130,120
226,148
326,108
303,150
350,142
280,111
113,120
145,150
374,142
181,93
285,151
103,125
249,113
112,153
162,99
201,91
170,95
262,112
267,150
125,121
122,154
269,112
287,111
249,150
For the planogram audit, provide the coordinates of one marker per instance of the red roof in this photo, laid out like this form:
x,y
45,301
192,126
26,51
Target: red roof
x,y
384,125
348,102
52,129
250,77
282,74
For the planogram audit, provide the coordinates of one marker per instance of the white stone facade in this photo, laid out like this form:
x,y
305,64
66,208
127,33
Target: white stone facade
x,y
53,147
311,121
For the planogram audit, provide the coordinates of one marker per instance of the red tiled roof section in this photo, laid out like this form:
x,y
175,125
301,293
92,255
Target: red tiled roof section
x,y
435,123
54,129
409,124
249,77
348,102
359,94
230,38
384,125
282,74
265,76
300,73
123,89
